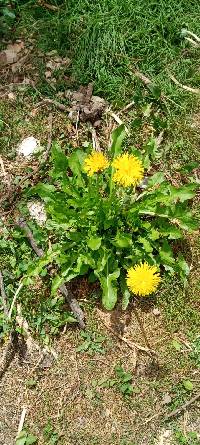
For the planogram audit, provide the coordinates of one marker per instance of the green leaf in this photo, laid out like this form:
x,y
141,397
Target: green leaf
x,y
118,136
146,244
176,345
151,148
94,242
157,178
169,230
8,13
188,385
155,90
183,193
31,383
188,168
154,234
123,240
109,288
84,346
45,191
21,438
60,161
57,281
166,256
183,267
36,268
125,293
76,162
31,439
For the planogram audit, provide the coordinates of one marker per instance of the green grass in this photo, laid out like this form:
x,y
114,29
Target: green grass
x,y
108,38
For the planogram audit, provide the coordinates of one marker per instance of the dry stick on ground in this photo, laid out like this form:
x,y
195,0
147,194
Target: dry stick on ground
x,y
14,299
127,107
183,407
68,295
184,87
3,296
129,343
21,422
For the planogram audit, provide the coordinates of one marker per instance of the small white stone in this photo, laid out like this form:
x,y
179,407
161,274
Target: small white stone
x,y
156,312
37,211
28,146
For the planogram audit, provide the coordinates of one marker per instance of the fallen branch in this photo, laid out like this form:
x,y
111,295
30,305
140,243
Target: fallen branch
x,y
22,224
3,296
129,343
182,407
184,87
67,294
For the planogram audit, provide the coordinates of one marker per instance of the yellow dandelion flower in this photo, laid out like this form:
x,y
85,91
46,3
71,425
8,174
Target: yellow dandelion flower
x,y
129,170
95,162
143,279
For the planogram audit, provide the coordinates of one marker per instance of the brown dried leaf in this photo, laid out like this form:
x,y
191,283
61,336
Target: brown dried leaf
x,y
10,55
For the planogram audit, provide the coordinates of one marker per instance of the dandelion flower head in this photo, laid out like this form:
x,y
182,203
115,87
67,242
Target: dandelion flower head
x,y
95,163
129,170
143,279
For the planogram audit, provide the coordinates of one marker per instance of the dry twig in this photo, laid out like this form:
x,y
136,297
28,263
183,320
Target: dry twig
x,y
14,299
95,141
67,294
184,87
182,407
21,422
127,107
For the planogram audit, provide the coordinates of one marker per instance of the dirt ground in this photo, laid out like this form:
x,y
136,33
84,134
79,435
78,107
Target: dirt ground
x,y
67,392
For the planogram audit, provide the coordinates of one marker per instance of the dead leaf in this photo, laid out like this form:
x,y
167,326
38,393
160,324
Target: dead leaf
x,y
48,74
10,55
11,96
166,400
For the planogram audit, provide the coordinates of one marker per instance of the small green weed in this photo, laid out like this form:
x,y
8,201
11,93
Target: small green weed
x,y
122,382
24,438
195,354
190,439
50,435
93,343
